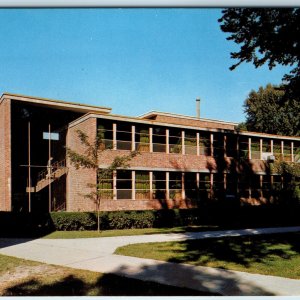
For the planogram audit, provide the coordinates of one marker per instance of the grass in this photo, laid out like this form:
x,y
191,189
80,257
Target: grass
x,y
8,263
125,232
60,281
277,254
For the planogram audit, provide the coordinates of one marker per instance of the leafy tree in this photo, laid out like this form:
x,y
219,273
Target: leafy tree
x,y
265,112
266,35
91,159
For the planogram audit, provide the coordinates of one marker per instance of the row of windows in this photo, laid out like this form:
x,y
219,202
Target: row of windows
x,y
173,140
177,185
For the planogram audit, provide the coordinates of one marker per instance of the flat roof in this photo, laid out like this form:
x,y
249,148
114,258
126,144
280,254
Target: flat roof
x,y
59,104
151,114
166,124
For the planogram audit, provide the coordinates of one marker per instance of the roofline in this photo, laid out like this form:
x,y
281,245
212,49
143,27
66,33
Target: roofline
x,y
158,123
54,102
154,113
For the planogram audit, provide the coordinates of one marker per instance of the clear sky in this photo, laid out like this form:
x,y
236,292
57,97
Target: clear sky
x,y
132,60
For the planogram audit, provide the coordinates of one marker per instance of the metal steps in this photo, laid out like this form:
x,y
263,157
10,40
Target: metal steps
x,y
47,176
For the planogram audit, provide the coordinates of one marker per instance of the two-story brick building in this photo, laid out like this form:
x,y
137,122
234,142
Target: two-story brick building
x,y
183,161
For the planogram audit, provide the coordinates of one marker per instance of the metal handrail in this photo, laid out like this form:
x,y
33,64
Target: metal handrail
x,y
54,167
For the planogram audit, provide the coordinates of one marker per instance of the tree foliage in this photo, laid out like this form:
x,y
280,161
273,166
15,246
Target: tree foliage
x,y
91,159
266,112
268,36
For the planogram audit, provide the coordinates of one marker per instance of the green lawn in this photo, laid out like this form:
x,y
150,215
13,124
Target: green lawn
x,y
8,263
125,232
60,281
277,255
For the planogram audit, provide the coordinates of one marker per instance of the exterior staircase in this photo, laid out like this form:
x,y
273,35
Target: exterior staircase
x,y
52,173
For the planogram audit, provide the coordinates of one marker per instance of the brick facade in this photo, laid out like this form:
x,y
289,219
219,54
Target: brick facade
x,y
113,205
5,155
74,185
77,180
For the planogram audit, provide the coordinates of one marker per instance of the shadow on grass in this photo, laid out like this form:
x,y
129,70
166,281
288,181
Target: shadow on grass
x,y
242,250
105,285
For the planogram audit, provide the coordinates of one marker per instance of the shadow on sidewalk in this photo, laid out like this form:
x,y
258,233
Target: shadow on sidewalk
x,y
97,285
214,281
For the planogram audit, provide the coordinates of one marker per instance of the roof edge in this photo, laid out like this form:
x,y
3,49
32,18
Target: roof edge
x,y
154,113
53,101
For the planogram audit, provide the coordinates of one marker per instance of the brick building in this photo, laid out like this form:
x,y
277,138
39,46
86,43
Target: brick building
x,y
183,161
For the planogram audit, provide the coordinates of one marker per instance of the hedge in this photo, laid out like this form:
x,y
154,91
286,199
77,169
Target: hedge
x,y
37,223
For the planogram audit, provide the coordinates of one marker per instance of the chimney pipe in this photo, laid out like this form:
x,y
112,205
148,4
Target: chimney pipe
x,y
198,107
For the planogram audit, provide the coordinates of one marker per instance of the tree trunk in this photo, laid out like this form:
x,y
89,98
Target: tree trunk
x,y
98,215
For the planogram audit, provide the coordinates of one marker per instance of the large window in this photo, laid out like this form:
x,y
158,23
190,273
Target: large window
x,y
159,185
287,153
175,185
142,140
105,185
205,147
243,147
218,144
190,182
218,185
105,132
231,145
159,139
142,185
255,148
124,184
175,141
205,186
277,149
190,142
124,136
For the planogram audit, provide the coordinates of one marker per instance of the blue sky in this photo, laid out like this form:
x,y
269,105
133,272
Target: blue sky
x,y
132,60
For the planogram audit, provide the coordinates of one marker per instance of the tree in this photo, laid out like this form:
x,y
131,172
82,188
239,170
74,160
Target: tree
x,y
266,36
266,113
91,159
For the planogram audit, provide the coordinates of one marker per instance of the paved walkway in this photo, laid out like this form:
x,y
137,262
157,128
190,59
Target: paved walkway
x,y
96,254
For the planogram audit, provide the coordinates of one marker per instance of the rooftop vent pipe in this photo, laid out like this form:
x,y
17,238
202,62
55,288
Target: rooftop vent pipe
x,y
198,107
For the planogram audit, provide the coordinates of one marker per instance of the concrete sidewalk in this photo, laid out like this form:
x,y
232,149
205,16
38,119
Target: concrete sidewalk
x,y
96,254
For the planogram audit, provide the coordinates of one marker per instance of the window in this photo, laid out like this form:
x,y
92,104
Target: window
x,y
175,185
159,139
175,141
159,185
204,143
205,186
105,185
190,183
142,185
218,144
231,145
124,184
105,132
243,147
190,142
124,136
287,153
142,140
255,148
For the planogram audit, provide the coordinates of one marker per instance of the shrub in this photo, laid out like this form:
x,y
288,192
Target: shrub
x,y
108,220
74,220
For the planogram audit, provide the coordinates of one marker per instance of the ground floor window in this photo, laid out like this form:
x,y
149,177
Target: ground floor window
x,y
201,186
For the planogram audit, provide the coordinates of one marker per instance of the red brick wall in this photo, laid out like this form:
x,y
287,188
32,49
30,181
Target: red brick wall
x,y
77,180
113,205
162,160
5,155
192,122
